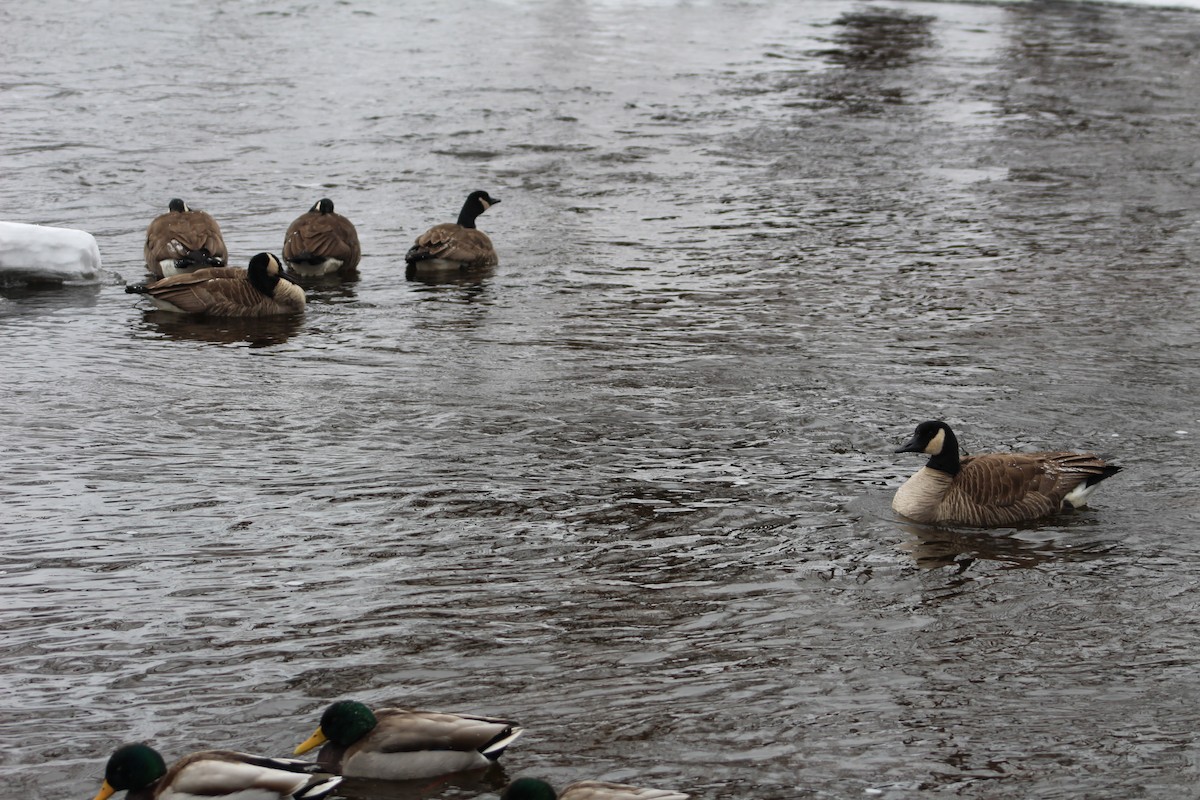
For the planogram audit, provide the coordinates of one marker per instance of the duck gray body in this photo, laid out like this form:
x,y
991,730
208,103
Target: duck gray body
x,y
212,775
536,789
183,240
994,489
321,242
405,744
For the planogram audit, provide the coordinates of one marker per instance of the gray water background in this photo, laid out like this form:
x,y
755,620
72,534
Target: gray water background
x,y
631,487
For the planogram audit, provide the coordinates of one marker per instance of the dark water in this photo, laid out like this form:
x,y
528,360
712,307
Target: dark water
x,y
631,487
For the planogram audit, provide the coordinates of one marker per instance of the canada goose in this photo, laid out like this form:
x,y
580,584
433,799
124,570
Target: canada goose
x,y
261,290
398,744
212,775
320,242
994,489
183,240
455,245
534,789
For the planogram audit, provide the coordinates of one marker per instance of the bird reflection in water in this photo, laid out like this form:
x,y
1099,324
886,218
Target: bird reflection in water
x,y
474,278
472,783
935,548
335,286
465,286
879,38
336,293
252,331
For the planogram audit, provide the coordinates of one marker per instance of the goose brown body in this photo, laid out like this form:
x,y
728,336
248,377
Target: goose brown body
x,y
993,489
456,245
183,240
261,290
321,242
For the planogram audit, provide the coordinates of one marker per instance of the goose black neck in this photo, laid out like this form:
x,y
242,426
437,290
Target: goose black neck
x,y
470,210
947,460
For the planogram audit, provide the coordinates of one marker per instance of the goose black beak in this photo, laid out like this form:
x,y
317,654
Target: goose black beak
x,y
913,445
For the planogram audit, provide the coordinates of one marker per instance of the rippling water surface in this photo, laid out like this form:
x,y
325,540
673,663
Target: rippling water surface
x,y
631,487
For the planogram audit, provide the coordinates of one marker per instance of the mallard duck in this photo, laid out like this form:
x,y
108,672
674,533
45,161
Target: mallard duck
x,y
535,789
183,240
399,744
320,242
260,290
994,489
455,245
212,775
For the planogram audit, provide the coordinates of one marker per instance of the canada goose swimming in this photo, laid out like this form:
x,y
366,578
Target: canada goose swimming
x,y
320,242
260,290
455,245
994,489
534,789
398,744
212,775
183,240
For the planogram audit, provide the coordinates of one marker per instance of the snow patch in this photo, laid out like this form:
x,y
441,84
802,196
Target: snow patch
x,y
42,254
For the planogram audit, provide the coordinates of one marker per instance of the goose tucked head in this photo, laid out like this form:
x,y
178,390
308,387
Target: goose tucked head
x,y
265,272
323,206
343,723
178,206
131,767
477,203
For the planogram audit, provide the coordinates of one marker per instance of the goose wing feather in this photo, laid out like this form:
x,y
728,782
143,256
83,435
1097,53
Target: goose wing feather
x,y
451,242
221,291
175,234
1009,487
324,236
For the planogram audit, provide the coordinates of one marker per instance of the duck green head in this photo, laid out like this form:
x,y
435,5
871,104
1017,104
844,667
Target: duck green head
x,y
343,723
131,767
528,789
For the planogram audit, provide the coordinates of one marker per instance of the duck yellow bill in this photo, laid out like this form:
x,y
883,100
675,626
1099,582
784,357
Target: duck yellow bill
x,y
316,740
106,792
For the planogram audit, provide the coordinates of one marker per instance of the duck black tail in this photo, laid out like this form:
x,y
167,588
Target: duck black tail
x,y
1108,471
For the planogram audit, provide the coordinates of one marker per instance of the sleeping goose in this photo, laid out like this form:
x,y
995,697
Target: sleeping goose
x,y
212,775
183,240
260,290
534,789
994,489
399,744
320,242
455,245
